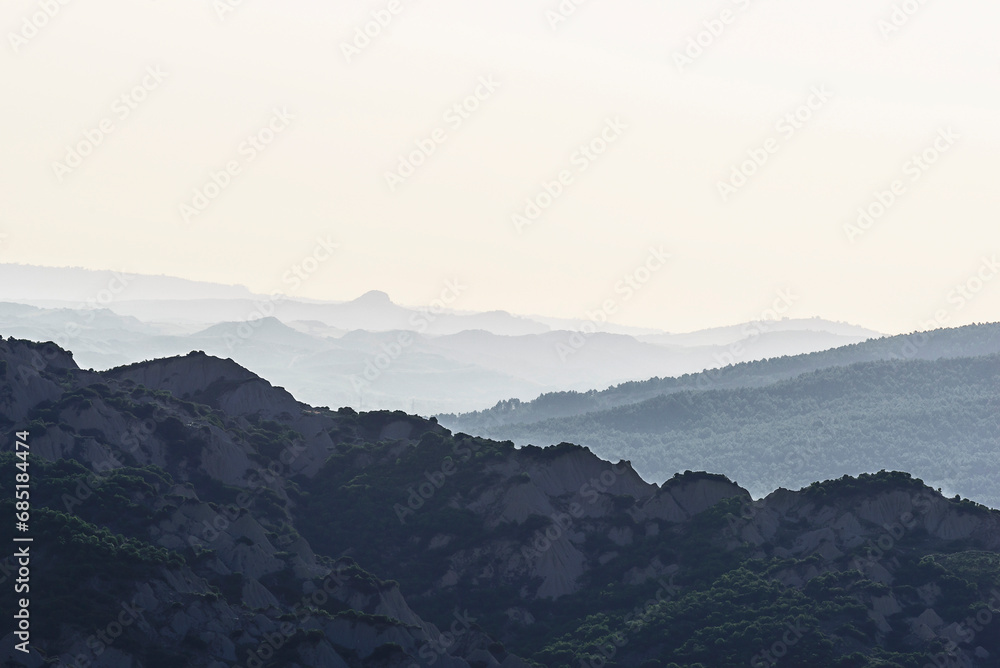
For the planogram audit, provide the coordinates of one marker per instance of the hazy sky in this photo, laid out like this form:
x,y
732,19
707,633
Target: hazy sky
x,y
198,80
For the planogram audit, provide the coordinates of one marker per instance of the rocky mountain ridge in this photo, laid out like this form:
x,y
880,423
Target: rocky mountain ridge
x,y
249,529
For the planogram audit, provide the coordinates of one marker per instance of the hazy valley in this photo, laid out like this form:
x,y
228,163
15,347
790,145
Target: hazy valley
x,y
371,353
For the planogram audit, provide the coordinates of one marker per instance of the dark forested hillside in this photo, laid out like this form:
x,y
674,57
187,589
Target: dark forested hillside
x,y
187,513
970,341
938,419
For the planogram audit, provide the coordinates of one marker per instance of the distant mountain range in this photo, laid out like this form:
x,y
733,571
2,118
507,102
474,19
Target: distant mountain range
x,y
371,352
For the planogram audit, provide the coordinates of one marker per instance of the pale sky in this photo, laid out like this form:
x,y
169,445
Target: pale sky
x,y
676,134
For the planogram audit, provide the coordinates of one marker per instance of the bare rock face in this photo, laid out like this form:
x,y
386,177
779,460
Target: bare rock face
x,y
580,472
228,387
684,497
532,485
697,496
836,526
28,375
577,495
559,564
223,384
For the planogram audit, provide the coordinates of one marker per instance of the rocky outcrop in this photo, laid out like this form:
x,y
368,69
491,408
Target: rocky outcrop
x,y
29,374
576,495
244,539
840,525
682,498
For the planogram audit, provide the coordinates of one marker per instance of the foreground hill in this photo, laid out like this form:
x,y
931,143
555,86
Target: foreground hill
x,y
224,523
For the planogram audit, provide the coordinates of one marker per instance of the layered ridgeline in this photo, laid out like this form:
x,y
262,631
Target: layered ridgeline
x,y
371,353
187,513
925,403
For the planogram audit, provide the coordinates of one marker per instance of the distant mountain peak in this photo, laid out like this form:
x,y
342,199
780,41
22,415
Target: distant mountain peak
x,y
373,298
